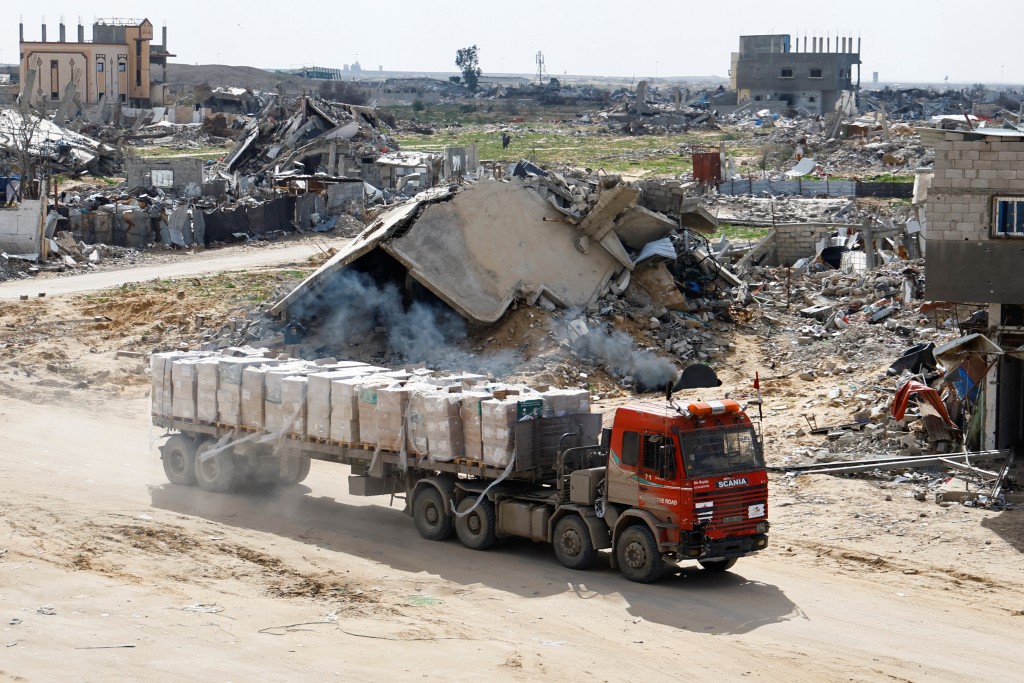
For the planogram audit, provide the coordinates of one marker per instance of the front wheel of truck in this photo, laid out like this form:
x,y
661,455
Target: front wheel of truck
x,y
637,554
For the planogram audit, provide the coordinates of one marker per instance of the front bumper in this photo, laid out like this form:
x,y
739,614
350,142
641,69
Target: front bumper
x,y
723,548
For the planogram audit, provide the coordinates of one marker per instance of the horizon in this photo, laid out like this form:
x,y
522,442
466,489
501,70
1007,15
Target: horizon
x,y
594,41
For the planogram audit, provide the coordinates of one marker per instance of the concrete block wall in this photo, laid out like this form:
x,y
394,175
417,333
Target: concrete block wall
x,y
968,173
664,196
794,242
19,228
186,172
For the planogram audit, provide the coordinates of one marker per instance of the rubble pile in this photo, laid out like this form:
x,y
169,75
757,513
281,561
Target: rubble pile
x,y
65,151
183,137
306,137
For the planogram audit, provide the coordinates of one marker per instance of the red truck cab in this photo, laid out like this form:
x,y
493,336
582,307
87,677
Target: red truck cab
x,y
695,475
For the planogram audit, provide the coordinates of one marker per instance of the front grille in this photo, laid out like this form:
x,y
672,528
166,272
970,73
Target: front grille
x,y
728,510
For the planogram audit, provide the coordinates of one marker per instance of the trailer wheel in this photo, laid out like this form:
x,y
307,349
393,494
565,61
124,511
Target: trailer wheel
x,y
476,530
179,458
718,565
637,554
217,473
297,470
432,520
573,545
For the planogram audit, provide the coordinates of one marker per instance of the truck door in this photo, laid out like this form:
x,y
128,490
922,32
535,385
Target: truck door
x,y
659,476
622,468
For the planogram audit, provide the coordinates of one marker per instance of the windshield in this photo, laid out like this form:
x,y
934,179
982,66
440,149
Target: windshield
x,y
708,452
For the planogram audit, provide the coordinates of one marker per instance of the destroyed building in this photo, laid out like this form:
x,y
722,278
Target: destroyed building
x,y
314,136
975,210
117,64
778,73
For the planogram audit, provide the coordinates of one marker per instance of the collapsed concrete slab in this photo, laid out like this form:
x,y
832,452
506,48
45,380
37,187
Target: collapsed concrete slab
x,y
478,249
639,226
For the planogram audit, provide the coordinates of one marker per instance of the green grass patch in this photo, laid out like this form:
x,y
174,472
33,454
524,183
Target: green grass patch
x,y
740,232
206,153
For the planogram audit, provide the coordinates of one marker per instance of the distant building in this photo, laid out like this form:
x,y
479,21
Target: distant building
x,y
118,62
773,69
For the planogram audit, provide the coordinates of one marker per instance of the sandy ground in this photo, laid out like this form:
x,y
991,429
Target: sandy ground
x,y
109,573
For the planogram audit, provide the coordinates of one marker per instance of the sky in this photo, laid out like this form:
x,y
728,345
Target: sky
x,y
905,42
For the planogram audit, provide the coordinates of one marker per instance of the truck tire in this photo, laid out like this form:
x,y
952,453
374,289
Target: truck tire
x,y
476,530
297,470
573,545
216,474
432,520
718,565
179,458
637,554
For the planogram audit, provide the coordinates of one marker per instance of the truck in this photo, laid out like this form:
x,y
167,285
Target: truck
x,y
665,483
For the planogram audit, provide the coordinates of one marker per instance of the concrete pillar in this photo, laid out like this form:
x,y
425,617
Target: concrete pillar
x,y
63,32
165,37
44,33
81,32
21,32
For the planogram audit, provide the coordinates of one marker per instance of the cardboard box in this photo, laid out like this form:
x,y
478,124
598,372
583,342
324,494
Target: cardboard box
x,y
252,392
293,405
207,384
319,400
366,392
470,413
392,407
161,394
184,381
229,392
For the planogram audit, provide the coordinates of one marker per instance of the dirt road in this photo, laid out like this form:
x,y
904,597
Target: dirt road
x,y
109,573
174,265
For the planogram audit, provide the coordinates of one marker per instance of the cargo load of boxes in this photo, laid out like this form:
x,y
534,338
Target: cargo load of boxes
x,y
435,416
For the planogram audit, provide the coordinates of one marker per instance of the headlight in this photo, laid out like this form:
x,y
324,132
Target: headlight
x,y
762,527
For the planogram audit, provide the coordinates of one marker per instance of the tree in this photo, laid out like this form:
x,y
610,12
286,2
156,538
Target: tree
x,y
468,61
23,141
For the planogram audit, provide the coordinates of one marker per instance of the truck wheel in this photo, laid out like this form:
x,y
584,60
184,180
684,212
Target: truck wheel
x,y
573,545
637,554
476,530
179,458
432,520
297,470
215,474
718,565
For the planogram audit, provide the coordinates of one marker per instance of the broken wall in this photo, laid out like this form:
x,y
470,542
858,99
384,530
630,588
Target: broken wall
x,y
794,242
19,227
666,196
181,174
966,261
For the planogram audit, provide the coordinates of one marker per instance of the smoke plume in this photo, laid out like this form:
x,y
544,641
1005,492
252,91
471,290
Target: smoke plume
x,y
618,351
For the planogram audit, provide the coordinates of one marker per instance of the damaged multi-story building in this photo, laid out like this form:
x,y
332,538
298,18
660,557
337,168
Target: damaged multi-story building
x,y
975,241
119,63
780,73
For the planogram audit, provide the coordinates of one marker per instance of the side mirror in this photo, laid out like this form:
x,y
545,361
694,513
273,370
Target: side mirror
x,y
668,392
